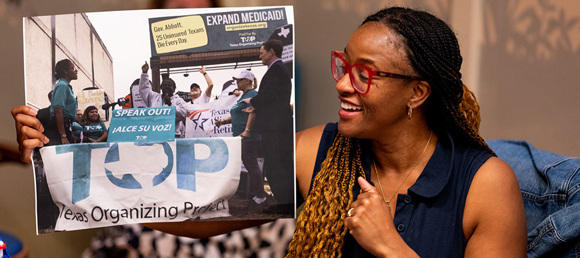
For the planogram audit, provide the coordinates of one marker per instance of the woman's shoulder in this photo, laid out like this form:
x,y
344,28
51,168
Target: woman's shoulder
x,y
60,83
251,93
305,140
315,131
495,172
308,139
494,213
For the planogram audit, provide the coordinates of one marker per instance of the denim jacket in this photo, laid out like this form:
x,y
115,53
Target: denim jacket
x,y
550,186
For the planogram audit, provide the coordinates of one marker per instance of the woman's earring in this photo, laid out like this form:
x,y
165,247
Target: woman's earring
x,y
410,110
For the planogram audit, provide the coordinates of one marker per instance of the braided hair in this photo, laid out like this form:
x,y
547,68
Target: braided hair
x,y
433,50
320,227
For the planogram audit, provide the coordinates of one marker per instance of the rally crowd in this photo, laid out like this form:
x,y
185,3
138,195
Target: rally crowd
x,y
262,118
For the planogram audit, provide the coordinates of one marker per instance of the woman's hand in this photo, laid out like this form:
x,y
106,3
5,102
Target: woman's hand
x,y
371,224
29,131
248,109
245,134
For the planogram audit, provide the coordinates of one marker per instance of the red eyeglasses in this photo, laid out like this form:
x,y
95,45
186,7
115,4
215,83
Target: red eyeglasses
x,y
360,76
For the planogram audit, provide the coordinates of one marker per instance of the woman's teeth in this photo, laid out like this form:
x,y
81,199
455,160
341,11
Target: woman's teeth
x,y
349,107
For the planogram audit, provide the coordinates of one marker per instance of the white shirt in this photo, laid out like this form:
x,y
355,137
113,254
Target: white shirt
x,y
155,99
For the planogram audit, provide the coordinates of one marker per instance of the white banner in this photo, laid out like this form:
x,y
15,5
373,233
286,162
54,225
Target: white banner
x,y
200,121
105,184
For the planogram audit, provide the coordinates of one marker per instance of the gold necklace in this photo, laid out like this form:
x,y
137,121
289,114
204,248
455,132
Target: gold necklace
x,y
406,177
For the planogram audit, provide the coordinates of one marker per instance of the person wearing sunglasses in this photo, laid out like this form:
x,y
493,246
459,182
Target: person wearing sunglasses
x,y
404,172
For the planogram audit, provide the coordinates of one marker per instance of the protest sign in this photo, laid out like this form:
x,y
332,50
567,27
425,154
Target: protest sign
x,y
201,119
155,124
215,31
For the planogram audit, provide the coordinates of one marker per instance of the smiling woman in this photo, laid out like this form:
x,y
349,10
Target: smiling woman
x,y
409,124
94,130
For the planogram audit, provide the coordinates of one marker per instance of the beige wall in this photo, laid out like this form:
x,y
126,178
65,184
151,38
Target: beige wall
x,y
520,57
77,41
37,38
529,74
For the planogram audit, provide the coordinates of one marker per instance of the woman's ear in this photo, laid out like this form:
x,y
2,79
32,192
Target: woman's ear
x,y
421,91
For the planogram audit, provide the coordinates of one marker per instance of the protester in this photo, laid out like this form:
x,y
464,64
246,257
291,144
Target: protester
x,y
94,130
167,97
63,106
242,123
274,122
195,90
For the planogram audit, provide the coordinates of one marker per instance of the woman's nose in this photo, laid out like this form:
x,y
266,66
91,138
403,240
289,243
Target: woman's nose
x,y
344,85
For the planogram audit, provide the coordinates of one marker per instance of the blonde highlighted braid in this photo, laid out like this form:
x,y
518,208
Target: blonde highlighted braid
x,y
470,109
320,227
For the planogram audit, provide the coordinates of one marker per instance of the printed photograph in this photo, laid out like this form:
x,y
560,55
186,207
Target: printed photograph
x,y
162,115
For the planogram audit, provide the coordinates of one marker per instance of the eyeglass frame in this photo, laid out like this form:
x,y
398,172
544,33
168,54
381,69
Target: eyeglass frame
x,y
372,72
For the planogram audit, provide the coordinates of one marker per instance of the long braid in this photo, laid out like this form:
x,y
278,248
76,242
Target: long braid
x,y
433,51
320,227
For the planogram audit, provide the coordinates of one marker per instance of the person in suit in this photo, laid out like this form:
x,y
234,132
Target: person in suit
x,y
274,122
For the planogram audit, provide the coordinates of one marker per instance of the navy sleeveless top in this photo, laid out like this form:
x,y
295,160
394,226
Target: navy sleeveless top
x,y
429,217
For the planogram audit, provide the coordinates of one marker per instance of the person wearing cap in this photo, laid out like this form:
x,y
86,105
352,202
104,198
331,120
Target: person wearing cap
x,y
195,90
242,123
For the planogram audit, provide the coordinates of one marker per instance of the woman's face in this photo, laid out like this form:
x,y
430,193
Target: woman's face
x,y
243,84
94,115
384,107
72,72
